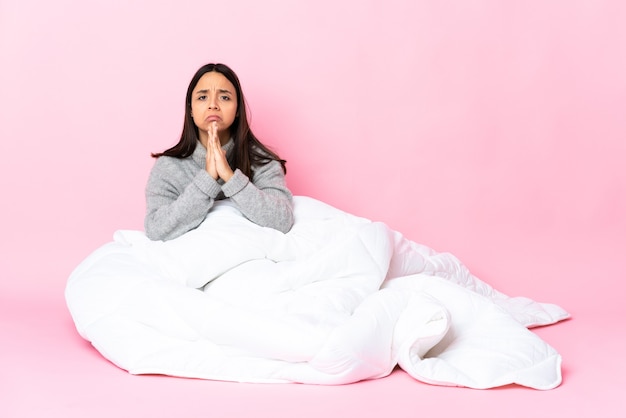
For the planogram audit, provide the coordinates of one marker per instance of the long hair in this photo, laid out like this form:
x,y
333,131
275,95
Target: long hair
x,y
248,150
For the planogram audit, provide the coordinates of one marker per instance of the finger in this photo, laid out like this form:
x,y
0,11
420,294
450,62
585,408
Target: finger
x,y
209,132
217,146
211,166
214,131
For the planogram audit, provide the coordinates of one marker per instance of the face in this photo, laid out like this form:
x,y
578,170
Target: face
x,y
214,100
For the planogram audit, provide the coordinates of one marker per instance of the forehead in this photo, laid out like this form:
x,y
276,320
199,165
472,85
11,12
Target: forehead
x,y
214,81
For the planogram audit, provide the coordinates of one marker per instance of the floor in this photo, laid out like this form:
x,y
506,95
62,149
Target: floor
x,y
49,371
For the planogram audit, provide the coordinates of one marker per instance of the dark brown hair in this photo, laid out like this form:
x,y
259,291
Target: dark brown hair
x,y
249,151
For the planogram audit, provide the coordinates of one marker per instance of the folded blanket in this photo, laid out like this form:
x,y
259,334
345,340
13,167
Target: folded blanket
x,y
336,300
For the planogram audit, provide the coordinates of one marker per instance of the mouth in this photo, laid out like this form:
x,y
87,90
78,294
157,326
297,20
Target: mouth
x,y
213,118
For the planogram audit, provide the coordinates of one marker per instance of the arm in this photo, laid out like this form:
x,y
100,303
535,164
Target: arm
x,y
175,205
265,200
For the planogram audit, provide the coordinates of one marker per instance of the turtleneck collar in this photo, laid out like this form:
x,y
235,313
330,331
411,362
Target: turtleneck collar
x,y
199,154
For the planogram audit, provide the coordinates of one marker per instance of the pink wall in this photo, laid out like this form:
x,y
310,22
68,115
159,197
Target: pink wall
x,y
493,130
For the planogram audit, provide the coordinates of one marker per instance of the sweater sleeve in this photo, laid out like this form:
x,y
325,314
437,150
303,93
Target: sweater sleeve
x,y
265,200
173,207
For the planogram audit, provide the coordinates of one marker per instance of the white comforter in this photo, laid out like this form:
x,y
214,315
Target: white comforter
x,y
336,300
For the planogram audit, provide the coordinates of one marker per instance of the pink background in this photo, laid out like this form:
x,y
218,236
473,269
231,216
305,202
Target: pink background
x,y
494,130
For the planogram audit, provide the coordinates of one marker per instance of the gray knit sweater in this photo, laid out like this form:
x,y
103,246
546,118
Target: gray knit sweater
x,y
180,194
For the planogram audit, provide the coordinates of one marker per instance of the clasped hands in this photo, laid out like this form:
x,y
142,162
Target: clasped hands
x,y
216,163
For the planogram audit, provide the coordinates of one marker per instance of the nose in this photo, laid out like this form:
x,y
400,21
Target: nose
x,y
213,103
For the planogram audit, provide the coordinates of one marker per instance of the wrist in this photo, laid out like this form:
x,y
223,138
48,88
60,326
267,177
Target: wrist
x,y
227,176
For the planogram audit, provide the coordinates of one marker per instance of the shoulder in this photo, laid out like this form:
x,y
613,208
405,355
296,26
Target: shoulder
x,y
170,169
270,171
263,156
166,164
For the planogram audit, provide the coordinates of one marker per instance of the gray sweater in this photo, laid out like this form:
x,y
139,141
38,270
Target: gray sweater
x,y
180,194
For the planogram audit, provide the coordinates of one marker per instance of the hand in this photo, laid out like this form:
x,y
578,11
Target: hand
x,y
211,168
216,163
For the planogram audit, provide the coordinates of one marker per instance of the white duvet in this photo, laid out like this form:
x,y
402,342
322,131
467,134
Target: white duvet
x,y
336,300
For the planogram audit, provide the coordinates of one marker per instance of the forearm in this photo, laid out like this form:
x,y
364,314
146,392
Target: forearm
x,y
170,215
267,202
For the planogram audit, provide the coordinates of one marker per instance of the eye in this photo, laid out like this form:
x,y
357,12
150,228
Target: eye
x,y
202,98
225,98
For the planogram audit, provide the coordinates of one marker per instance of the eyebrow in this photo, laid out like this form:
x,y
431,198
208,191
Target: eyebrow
x,y
204,91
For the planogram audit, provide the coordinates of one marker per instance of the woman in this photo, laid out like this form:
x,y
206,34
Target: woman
x,y
217,157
